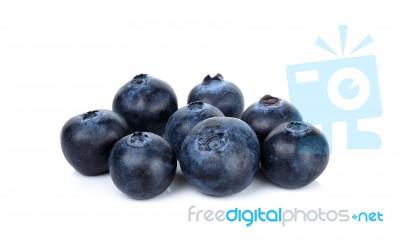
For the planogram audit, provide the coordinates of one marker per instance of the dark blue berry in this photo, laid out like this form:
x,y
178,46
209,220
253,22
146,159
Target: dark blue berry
x,y
220,156
269,112
146,103
142,165
184,119
294,154
222,94
87,139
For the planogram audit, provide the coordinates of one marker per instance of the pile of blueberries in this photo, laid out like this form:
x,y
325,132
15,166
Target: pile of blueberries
x,y
219,147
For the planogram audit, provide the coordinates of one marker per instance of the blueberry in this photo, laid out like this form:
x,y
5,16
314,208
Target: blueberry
x,y
223,94
220,156
264,115
184,119
142,165
294,154
87,139
146,103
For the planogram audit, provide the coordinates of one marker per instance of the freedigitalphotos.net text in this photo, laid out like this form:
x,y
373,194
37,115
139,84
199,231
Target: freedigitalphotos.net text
x,y
279,215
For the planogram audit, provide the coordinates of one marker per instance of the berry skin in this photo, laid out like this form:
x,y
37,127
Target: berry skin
x,y
142,165
87,139
146,103
264,115
294,154
184,119
222,94
220,156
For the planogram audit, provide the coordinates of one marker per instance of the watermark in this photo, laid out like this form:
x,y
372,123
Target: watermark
x,y
249,217
343,89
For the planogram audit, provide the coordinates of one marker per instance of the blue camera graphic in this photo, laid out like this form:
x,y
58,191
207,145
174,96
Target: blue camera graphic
x,y
345,89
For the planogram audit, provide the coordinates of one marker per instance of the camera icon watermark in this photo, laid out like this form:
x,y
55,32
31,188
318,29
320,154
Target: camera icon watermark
x,y
345,89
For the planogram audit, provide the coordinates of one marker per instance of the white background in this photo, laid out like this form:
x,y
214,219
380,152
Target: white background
x,y
62,58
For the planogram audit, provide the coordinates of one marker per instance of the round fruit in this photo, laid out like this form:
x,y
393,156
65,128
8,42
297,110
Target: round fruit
x,y
184,119
87,139
142,165
220,156
222,94
294,154
146,103
264,115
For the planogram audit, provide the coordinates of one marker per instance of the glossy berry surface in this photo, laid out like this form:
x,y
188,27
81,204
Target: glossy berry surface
x,y
142,165
223,94
220,156
146,103
269,112
294,154
184,119
87,139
